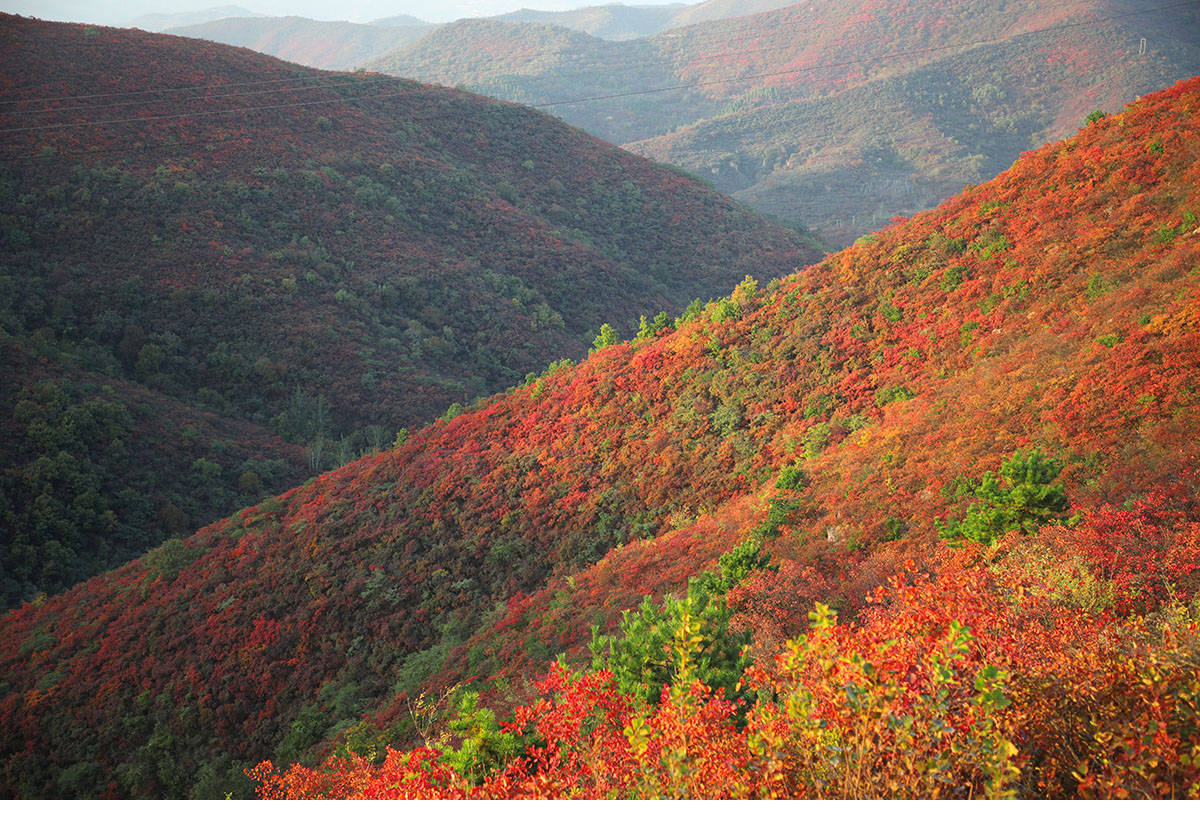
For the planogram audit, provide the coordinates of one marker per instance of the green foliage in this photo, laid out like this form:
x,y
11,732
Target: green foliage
x,y
308,728
643,658
953,277
1097,286
1095,116
725,310
820,406
607,337
1022,496
791,477
891,393
727,417
1167,234
778,514
305,418
894,528
693,310
816,438
889,311
478,747
172,556
733,567
991,245
648,330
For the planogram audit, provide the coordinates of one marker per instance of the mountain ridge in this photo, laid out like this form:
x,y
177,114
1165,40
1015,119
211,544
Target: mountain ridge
x,y
769,82
844,413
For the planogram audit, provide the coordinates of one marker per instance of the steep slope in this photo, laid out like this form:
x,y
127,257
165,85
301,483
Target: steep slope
x,y
330,258
902,102
337,46
843,414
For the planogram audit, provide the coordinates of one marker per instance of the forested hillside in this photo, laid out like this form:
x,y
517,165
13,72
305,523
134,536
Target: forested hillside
x,y
319,258
835,115
973,435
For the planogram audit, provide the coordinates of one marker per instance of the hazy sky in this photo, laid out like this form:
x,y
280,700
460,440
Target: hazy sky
x,y
118,12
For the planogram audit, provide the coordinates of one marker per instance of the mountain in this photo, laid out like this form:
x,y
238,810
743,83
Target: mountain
x,y
399,20
163,21
338,46
902,104
326,258
891,427
722,10
609,22
539,64
345,46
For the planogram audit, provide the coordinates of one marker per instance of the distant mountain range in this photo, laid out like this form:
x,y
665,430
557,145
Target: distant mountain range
x,y
345,46
160,21
837,115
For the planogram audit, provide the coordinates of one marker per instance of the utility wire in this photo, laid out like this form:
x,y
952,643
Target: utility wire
x,y
355,80
165,89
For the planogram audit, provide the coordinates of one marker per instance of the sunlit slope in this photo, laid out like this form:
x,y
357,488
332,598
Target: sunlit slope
x,y
1053,308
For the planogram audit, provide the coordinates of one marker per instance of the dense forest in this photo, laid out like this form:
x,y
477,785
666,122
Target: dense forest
x,y
918,520
221,273
834,115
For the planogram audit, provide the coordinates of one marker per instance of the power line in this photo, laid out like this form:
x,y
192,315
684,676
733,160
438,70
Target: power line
x,y
166,89
358,79
197,114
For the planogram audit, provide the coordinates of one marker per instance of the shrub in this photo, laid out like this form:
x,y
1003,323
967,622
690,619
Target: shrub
x,y
1022,496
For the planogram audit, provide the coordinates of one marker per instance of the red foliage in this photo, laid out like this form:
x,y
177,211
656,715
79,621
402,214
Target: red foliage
x,y
888,387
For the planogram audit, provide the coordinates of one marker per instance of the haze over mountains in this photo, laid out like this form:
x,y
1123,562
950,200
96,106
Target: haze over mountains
x,y
897,104
159,21
326,45
900,104
345,46
842,419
